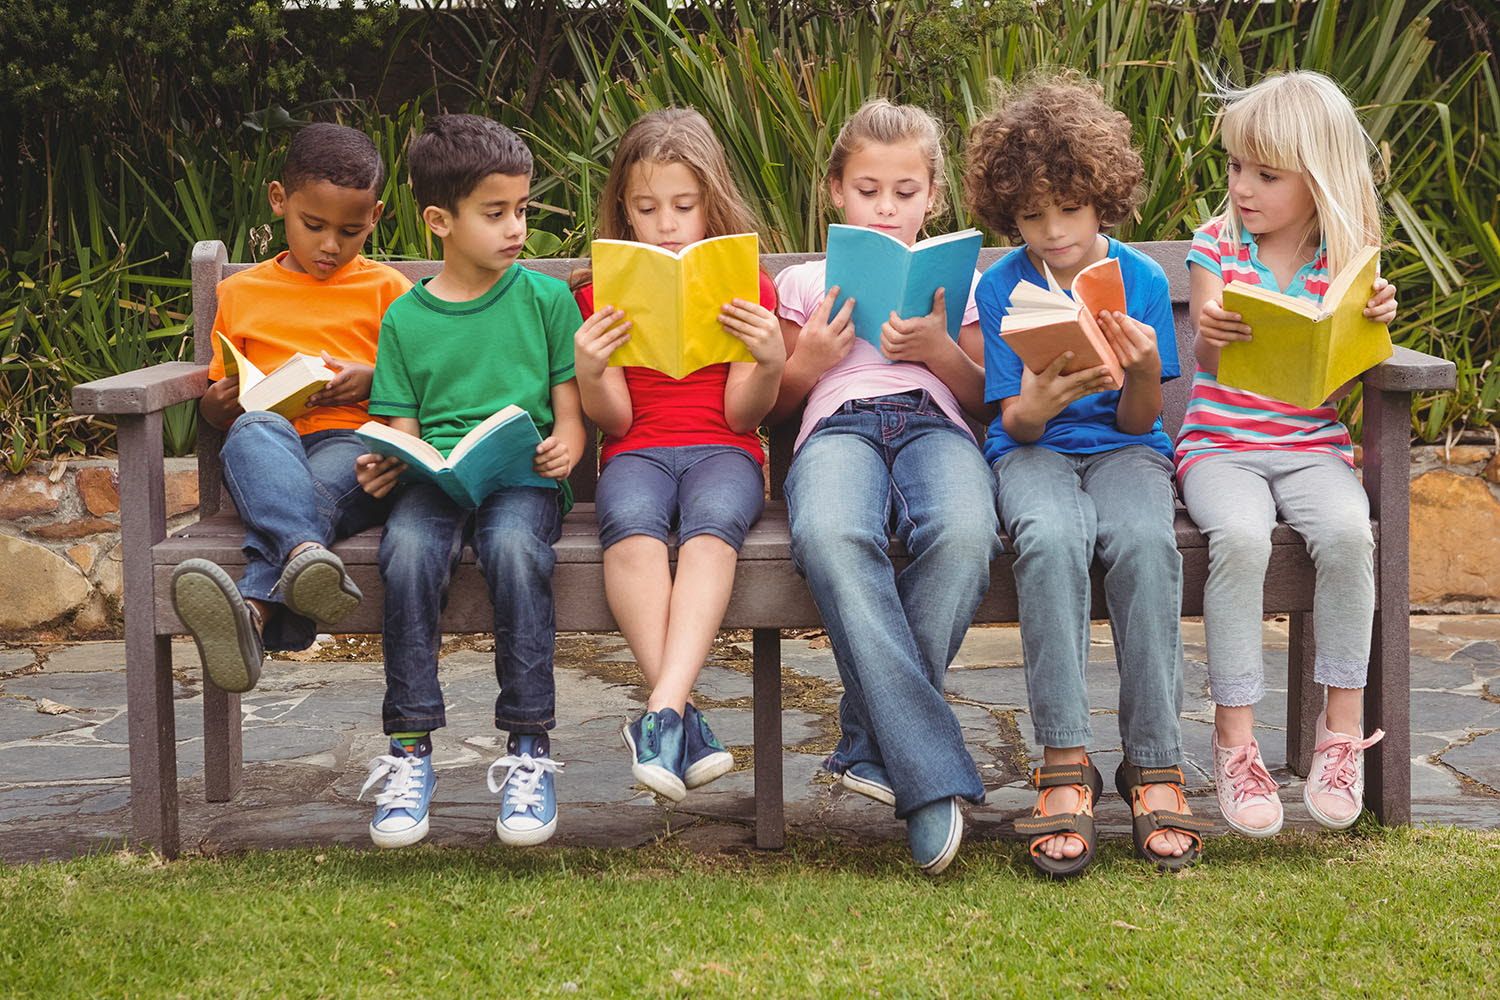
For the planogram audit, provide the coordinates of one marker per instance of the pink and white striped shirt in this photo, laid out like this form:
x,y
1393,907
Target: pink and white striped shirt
x,y
1222,419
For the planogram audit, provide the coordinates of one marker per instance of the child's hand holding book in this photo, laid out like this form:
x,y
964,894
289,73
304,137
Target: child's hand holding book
x,y
221,402
378,474
1134,344
920,338
350,384
597,340
552,460
755,326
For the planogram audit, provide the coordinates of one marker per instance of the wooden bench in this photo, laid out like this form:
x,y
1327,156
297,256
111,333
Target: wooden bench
x,y
768,594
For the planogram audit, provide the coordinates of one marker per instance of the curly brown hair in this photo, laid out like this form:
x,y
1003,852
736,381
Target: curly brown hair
x,y
1052,138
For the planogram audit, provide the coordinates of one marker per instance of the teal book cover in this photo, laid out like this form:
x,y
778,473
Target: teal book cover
x,y
497,453
884,275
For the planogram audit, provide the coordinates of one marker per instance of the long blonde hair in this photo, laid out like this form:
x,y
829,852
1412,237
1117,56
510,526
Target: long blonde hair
x,y
1302,121
880,121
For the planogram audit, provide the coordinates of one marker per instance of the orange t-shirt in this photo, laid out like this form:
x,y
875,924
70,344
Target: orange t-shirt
x,y
269,313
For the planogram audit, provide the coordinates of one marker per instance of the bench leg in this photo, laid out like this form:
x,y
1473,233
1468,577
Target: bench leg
x,y
223,752
148,657
770,820
1304,696
1387,478
1388,707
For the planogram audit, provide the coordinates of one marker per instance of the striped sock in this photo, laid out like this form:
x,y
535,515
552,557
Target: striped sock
x,y
408,741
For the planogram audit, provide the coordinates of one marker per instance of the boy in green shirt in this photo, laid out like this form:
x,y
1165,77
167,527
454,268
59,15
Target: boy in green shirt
x,y
481,334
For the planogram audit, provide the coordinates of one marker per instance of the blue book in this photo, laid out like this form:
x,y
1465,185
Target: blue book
x,y
495,454
884,275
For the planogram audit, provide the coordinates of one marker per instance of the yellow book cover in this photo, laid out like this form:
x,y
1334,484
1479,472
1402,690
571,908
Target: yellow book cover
x,y
672,300
285,391
1300,351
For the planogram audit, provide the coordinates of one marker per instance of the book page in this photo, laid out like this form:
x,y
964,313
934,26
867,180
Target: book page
x,y
235,363
383,439
478,431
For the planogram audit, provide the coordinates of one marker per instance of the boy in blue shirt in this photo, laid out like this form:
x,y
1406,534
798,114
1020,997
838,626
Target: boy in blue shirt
x,y
1083,469
481,334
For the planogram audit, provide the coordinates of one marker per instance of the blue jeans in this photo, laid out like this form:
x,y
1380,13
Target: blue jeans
x,y
1061,511
512,533
290,489
706,489
878,467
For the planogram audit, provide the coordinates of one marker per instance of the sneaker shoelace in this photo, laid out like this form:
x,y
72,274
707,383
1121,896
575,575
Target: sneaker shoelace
x,y
1248,777
1340,770
403,787
523,779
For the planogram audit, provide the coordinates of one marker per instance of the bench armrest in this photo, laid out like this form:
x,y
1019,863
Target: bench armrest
x,y
1411,371
146,390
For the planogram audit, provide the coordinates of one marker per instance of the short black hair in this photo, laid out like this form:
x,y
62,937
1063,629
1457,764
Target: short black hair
x,y
455,152
342,155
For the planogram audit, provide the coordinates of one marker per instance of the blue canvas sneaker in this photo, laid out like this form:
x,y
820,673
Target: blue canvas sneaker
x,y
934,832
401,807
869,779
656,743
704,757
528,798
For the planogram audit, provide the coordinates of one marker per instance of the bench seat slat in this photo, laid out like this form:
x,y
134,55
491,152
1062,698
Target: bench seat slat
x,y
768,593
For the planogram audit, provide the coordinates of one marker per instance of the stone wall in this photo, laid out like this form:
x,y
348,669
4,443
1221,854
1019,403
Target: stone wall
x,y
60,570
60,558
1455,528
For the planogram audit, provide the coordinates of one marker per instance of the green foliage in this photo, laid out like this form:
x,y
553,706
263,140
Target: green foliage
x,y
164,125
76,61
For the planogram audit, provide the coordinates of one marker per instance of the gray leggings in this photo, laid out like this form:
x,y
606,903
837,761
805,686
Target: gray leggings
x,y
1234,499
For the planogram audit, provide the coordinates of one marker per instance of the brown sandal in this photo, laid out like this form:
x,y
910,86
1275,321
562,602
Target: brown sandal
x,y
1131,782
1079,825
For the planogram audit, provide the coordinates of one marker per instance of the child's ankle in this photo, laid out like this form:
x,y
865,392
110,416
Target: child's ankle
x,y
259,612
1234,725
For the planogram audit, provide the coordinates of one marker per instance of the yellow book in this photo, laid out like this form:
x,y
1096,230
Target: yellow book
x,y
1301,351
285,390
673,299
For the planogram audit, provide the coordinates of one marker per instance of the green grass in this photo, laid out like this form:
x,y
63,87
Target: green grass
x,y
1372,913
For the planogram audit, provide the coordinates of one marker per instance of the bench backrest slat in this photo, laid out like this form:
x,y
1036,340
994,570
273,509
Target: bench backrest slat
x,y
210,267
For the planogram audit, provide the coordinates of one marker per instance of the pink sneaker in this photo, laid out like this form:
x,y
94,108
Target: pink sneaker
x,y
1247,792
1335,789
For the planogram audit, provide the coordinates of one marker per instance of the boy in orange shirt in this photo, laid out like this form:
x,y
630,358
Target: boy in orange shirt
x,y
293,482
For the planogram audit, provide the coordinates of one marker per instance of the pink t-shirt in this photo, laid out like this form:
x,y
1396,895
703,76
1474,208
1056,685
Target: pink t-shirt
x,y
864,373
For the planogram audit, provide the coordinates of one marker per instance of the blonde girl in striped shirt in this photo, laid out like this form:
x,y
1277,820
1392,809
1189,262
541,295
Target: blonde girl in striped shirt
x,y
1301,203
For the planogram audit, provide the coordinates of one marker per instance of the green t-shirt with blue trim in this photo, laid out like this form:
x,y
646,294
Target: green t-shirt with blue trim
x,y
450,365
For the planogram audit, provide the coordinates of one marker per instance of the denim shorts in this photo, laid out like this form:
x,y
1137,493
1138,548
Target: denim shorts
x,y
706,489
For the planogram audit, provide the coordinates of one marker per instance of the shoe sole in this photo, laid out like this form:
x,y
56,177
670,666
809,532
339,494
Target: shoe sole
x,y
869,789
217,618
315,585
1322,820
715,765
658,779
525,838
940,864
404,838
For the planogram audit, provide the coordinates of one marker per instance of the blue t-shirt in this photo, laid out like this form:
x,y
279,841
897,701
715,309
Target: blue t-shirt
x,y
1086,425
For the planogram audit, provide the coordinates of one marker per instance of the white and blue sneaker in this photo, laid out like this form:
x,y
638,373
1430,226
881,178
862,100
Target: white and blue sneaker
x,y
401,807
703,756
657,743
870,780
528,800
933,833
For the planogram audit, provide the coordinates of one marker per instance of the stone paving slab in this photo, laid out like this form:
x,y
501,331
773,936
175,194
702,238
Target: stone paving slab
x,y
312,726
